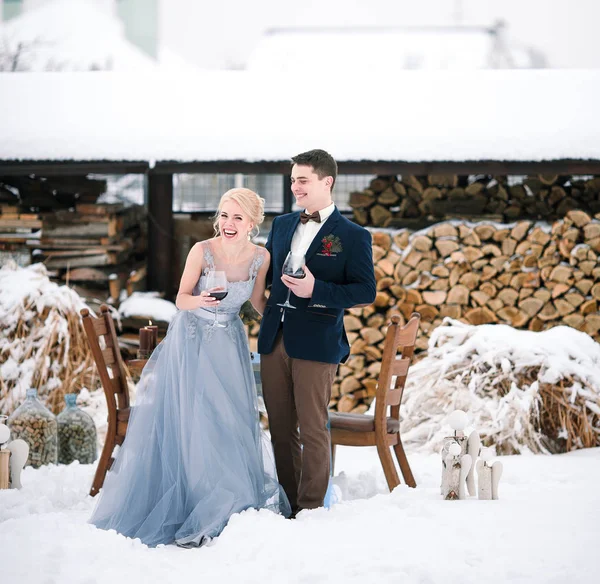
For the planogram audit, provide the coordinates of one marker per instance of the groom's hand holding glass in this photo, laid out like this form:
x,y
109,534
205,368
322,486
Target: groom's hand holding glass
x,y
303,288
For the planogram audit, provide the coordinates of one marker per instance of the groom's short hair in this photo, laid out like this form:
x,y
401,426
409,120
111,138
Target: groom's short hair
x,y
322,163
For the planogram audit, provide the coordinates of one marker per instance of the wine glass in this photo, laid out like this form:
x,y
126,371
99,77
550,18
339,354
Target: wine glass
x,y
293,267
216,286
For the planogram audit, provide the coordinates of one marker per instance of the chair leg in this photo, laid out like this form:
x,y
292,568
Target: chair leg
x,y
404,466
104,465
332,459
389,469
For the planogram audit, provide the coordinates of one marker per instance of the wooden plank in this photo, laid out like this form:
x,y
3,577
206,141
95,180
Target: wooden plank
x,y
98,208
76,230
20,223
73,241
65,244
78,261
95,274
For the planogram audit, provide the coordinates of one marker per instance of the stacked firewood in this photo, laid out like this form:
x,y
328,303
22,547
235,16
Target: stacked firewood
x,y
391,201
96,248
527,275
16,228
93,246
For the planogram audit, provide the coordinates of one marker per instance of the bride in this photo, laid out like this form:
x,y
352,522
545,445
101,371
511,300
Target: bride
x,y
194,451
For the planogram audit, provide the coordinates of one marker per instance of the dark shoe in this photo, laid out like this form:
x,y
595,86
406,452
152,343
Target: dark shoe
x,y
192,544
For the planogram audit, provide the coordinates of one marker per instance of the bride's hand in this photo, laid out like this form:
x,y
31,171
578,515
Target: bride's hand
x,y
205,300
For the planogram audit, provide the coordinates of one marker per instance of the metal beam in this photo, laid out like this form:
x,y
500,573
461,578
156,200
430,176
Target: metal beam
x,y
383,167
71,167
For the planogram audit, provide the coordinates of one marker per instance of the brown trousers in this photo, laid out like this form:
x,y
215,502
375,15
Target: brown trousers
x,y
297,394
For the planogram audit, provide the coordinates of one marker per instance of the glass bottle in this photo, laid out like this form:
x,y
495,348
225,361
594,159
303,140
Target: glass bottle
x,y
35,424
76,434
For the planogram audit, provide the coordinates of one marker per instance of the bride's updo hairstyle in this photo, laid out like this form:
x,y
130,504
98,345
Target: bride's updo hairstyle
x,y
253,206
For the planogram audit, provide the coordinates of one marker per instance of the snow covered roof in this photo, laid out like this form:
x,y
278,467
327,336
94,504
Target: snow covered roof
x,y
384,50
415,116
72,35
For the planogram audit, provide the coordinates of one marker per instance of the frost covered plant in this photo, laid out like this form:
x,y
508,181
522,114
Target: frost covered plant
x,y
523,390
42,341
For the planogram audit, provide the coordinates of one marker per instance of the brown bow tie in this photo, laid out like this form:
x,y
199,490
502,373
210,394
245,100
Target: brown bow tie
x,y
304,218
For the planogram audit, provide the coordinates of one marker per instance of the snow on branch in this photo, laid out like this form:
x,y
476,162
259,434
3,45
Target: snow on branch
x,y
523,390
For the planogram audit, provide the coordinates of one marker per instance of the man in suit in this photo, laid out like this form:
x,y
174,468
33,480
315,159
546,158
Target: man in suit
x,y
301,348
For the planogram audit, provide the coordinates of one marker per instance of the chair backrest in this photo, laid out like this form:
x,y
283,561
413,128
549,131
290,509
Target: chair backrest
x,y
392,377
108,360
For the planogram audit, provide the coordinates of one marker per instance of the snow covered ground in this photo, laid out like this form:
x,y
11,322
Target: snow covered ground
x,y
544,529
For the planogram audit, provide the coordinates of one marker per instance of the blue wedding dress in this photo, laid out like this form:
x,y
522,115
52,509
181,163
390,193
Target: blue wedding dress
x,y
194,453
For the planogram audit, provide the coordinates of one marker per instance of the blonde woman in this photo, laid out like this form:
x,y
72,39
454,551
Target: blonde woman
x,y
193,454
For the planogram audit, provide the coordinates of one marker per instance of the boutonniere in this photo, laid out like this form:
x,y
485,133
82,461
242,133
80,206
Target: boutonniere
x,y
331,245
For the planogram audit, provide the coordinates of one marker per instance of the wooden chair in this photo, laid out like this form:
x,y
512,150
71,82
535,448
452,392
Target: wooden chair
x,y
383,429
114,381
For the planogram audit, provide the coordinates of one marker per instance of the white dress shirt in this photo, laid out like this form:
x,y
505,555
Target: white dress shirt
x,y
304,235
306,232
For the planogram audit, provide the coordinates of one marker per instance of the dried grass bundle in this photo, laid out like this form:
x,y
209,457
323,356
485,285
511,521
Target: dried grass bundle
x,y
42,341
524,391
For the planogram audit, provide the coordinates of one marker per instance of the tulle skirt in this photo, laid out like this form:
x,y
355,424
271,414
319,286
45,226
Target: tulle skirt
x,y
194,453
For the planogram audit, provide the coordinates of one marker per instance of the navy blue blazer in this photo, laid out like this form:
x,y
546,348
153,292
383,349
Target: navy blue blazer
x,y
341,260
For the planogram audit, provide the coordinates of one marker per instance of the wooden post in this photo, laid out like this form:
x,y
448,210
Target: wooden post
x,y
160,233
288,197
4,473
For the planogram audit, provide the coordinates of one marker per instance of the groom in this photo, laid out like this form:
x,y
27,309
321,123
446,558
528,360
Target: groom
x,y
301,348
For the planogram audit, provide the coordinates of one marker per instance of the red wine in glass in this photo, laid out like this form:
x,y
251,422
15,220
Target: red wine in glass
x,y
216,286
218,295
293,267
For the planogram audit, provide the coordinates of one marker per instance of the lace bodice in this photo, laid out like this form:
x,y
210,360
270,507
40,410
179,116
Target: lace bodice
x,y
238,291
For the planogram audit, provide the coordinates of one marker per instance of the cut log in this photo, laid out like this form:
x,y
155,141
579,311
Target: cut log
x,y
563,306
548,312
470,280
414,297
514,316
445,230
480,315
388,197
579,218
346,403
402,239
421,243
349,384
592,324
446,246
531,306
520,230
562,273
574,320
458,294
485,232
440,271
352,323
451,311
479,298
371,335
428,313
383,299
440,284
509,296
435,298
361,199
379,215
